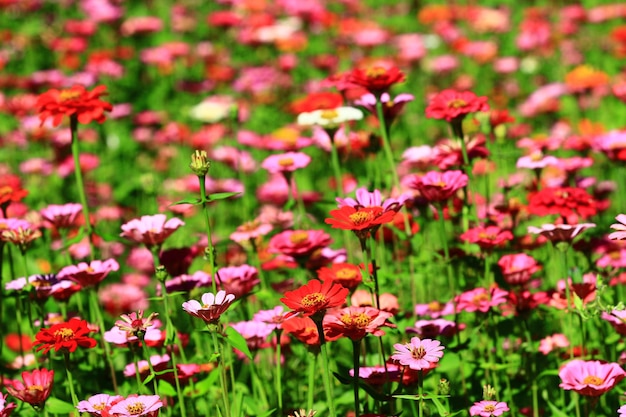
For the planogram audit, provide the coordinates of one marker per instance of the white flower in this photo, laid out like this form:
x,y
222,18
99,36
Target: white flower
x,y
213,109
330,117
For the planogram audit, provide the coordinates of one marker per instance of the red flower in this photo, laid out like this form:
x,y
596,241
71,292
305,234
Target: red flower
x,y
452,104
376,79
567,202
316,101
77,102
361,221
68,335
303,329
347,275
313,298
35,389
11,190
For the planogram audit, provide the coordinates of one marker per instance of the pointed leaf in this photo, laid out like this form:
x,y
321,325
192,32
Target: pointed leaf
x,y
56,406
193,201
148,379
220,196
166,389
236,340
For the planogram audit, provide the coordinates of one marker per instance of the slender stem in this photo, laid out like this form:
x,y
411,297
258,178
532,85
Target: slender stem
x,y
223,381
146,353
97,315
207,220
70,379
311,383
420,388
140,386
279,390
330,397
386,145
80,185
356,351
369,276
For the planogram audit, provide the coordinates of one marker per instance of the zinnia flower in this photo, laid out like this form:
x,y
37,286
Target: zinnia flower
x,y
453,105
567,202
287,162
620,227
61,216
356,322
65,336
140,405
329,118
299,243
347,275
313,298
135,324
487,237
488,408
212,307
361,221
517,268
560,232
418,354
439,186
35,389
96,403
75,102
590,378
150,230
376,79
6,408
88,275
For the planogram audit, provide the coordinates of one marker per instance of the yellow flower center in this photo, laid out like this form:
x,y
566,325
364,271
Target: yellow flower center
x,y
592,380
457,103
359,320
34,388
486,236
65,334
418,353
313,300
346,273
329,114
298,237
285,162
361,217
375,72
287,135
490,408
480,298
435,306
67,95
135,409
99,407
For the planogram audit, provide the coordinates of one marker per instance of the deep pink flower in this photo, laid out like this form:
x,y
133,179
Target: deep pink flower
x,y
150,230
238,280
488,408
620,227
355,322
299,243
481,299
590,378
439,186
365,198
90,274
487,237
273,317
35,389
517,268
454,105
251,230
549,343
141,405
418,354
6,408
617,319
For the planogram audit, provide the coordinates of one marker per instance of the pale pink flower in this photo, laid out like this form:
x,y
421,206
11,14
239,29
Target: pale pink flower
x,y
61,216
549,343
273,317
560,232
622,411
250,230
536,160
141,405
434,309
617,319
90,274
620,227
187,282
157,361
481,299
418,354
6,408
118,298
590,378
150,230
287,162
238,280
96,403
488,408
365,198
255,332
211,308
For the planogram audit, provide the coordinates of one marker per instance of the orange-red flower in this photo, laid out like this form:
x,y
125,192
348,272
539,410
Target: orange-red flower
x,y
11,190
361,221
347,275
455,105
76,101
376,79
313,298
68,336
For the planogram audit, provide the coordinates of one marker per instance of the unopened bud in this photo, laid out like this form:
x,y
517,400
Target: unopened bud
x,y
161,273
489,392
444,387
199,163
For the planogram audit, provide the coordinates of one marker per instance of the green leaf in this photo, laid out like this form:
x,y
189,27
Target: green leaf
x,y
148,379
440,407
407,397
194,201
268,413
166,389
578,302
202,387
56,406
236,340
220,196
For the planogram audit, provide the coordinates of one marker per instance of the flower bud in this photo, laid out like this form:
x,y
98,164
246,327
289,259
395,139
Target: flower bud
x,y
199,163
489,392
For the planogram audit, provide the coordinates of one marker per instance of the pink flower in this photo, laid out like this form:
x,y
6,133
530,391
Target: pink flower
x,y
590,378
96,403
141,405
35,389
150,230
365,198
517,268
536,160
250,230
238,280
622,411
620,227
481,299
61,216
287,162
617,319
299,243
6,408
355,322
548,344
273,317
455,105
439,186
435,328
255,332
560,232
212,307
434,309
487,237
418,354
488,408
88,275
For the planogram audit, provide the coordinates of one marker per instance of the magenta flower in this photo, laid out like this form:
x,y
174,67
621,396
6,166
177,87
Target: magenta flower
x,y
438,186
255,332
273,317
212,307
617,319
141,405
61,216
481,299
487,237
391,109
250,230
96,403
135,323
286,162
536,160
88,275
238,280
517,268
6,408
299,243
150,230
590,378
35,389
365,198
620,227
488,408
18,232
418,354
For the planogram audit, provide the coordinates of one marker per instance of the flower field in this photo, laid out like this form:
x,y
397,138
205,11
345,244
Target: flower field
x,y
273,208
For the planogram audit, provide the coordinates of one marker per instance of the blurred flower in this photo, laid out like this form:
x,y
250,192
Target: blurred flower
x,y
418,354
35,388
517,268
377,79
454,105
347,275
150,230
438,186
303,329
620,227
96,403
76,101
299,244
329,118
61,216
88,275
487,237
481,299
213,109
212,307
135,324
362,221
238,280
287,162
560,232
567,202
590,378
549,343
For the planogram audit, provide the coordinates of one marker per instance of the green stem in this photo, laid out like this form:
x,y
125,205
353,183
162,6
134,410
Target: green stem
x,y
80,185
311,383
370,277
146,353
420,388
330,397
386,145
97,315
70,379
207,221
356,351
223,382
279,390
